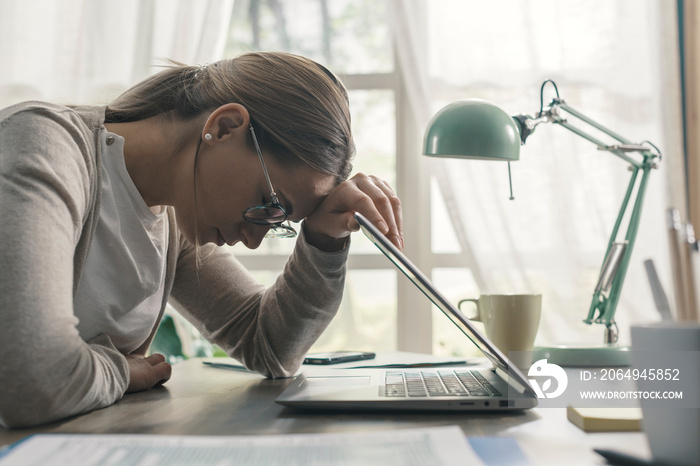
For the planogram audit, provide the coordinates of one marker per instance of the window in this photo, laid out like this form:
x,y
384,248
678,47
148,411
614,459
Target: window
x,y
460,228
604,56
353,39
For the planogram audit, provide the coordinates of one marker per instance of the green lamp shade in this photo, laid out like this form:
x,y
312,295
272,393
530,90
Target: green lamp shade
x,y
474,129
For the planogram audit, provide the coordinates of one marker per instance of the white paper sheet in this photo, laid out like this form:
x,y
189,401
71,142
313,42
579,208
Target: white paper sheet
x,y
403,447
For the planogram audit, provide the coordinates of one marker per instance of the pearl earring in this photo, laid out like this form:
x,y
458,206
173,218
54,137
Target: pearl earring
x,y
208,137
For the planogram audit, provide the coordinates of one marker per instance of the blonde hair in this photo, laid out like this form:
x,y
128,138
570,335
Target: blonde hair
x,y
299,108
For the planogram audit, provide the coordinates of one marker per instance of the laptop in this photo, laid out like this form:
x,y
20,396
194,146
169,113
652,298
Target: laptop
x,y
502,386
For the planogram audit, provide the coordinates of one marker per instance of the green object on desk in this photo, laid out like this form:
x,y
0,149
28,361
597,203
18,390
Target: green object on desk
x,y
476,129
167,342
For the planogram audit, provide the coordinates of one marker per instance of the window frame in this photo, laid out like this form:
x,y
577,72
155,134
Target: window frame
x,y
414,326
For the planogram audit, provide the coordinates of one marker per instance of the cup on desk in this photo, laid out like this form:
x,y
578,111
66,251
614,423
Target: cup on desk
x,y
510,321
670,350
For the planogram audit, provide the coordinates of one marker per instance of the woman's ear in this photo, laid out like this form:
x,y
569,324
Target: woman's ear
x,y
225,122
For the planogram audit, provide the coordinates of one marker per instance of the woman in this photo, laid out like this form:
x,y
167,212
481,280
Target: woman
x,y
110,213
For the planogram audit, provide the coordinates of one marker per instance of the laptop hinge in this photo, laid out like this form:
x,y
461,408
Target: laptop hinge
x,y
514,382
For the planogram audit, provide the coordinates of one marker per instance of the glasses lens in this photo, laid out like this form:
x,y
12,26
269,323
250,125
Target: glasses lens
x,y
265,214
281,231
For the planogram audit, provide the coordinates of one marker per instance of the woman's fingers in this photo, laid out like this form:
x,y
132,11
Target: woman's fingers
x,y
388,206
381,206
368,195
147,372
155,358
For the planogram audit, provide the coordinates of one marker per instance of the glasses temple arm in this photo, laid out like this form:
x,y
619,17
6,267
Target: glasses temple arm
x,y
262,162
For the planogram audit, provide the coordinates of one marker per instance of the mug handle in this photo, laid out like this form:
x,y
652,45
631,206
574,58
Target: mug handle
x,y
477,316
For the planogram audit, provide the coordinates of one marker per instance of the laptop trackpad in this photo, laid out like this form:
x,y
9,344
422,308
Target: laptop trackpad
x,y
344,381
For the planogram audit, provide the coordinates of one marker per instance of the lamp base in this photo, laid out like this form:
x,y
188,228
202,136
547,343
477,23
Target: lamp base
x,y
584,356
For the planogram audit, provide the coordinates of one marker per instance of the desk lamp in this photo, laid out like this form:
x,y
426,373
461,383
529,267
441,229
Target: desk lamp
x,y
476,129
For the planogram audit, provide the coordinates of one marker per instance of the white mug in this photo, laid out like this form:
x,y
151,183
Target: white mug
x,y
671,349
511,322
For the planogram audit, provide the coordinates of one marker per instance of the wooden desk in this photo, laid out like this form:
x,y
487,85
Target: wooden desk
x,y
202,400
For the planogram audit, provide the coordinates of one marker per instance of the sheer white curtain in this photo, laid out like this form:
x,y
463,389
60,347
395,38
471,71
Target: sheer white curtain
x,y
611,60
88,51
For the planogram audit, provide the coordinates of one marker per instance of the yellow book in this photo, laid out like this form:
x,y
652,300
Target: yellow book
x,y
605,419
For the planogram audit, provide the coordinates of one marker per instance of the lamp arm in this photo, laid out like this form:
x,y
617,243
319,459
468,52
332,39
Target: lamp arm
x,y
564,106
608,312
552,112
527,124
599,143
606,298
617,256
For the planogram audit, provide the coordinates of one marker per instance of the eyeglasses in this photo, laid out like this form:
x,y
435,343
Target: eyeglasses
x,y
271,214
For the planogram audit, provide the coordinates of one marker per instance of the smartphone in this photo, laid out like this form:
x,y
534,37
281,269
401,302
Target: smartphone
x,y
336,357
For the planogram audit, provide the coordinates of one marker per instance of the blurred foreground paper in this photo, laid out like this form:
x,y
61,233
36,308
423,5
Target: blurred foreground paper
x,y
420,447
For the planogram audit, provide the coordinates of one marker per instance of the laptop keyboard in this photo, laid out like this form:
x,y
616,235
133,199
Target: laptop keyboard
x,y
461,382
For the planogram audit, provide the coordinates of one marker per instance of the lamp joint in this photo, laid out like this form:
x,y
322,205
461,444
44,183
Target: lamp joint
x,y
551,113
611,334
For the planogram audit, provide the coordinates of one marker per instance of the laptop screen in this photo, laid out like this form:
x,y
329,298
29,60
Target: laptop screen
x,y
425,285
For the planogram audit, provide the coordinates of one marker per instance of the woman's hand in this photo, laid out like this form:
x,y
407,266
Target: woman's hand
x,y
147,372
328,227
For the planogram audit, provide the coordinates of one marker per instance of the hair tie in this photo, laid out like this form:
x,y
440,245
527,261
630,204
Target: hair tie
x,y
200,68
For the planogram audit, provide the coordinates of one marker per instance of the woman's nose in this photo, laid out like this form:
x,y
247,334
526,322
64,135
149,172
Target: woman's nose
x,y
253,235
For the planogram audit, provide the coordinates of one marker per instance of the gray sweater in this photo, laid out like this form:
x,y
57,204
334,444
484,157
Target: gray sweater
x,y
49,207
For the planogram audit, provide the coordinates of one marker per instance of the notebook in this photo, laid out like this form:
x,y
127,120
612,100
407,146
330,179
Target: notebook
x,y
606,419
499,387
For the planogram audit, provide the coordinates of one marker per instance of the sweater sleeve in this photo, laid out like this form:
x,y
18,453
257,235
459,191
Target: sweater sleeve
x,y
47,371
269,330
